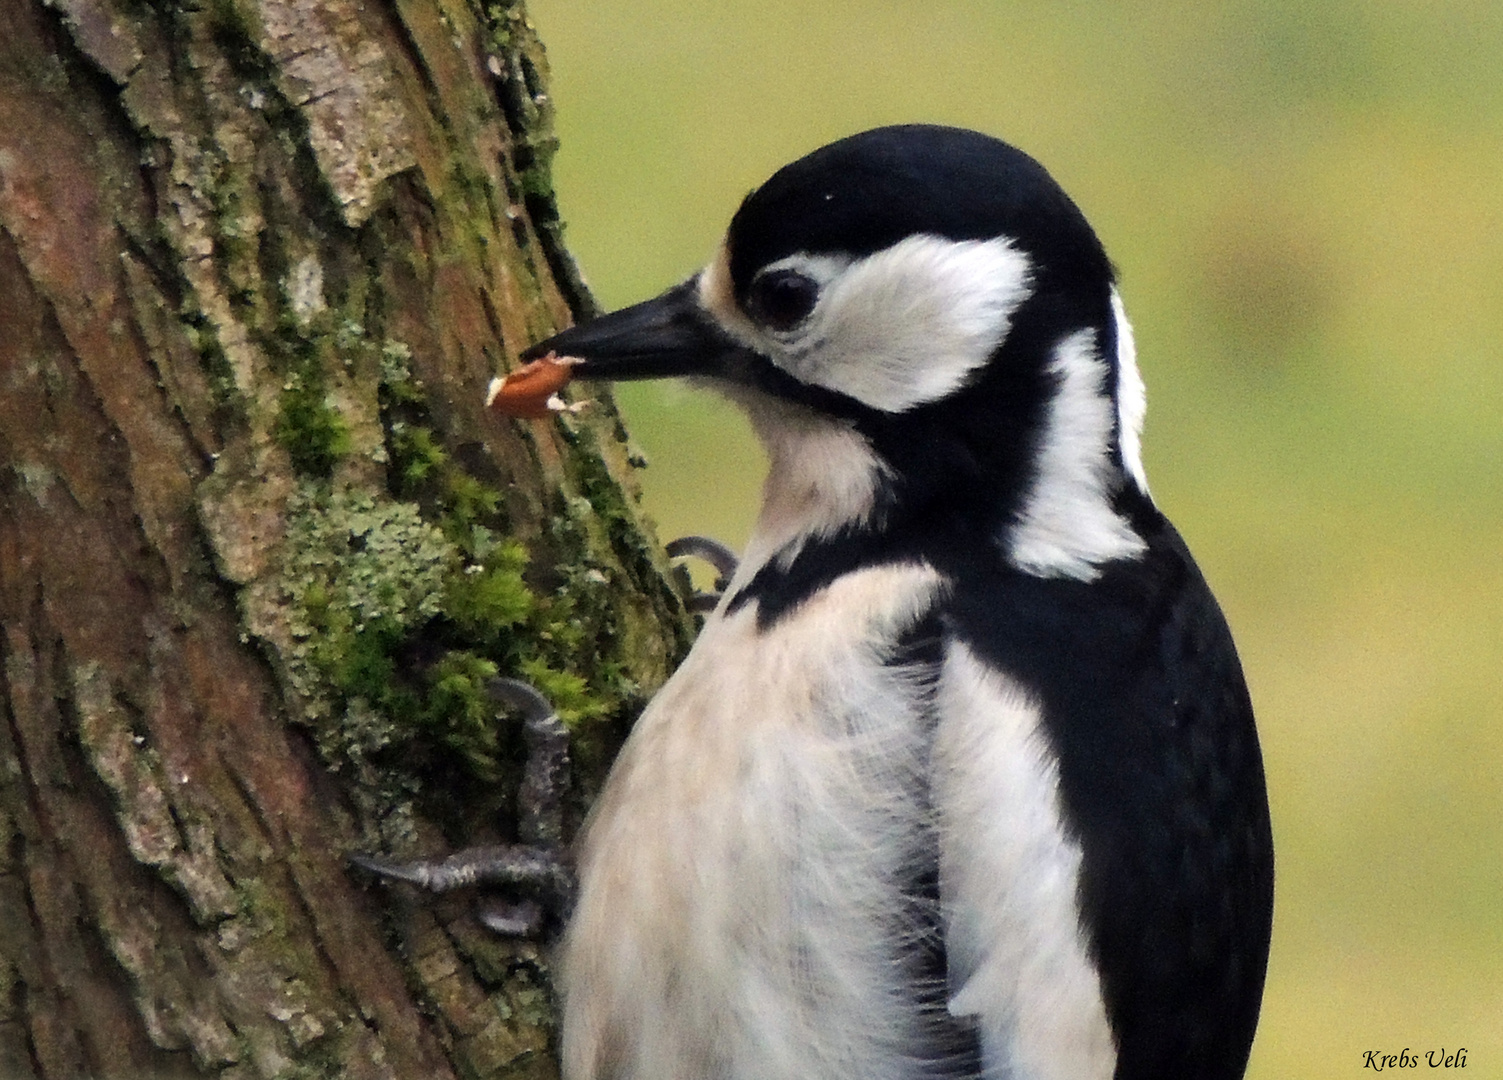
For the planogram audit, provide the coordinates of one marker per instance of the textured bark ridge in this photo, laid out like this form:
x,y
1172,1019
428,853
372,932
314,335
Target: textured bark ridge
x,y
260,546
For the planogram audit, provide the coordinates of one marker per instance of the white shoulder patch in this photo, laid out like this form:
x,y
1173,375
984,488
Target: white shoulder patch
x,y
1008,878
1067,526
1132,397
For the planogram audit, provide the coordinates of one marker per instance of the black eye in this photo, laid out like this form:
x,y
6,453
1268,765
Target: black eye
x,y
782,299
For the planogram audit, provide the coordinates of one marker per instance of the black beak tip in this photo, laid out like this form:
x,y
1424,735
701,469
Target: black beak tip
x,y
659,338
542,348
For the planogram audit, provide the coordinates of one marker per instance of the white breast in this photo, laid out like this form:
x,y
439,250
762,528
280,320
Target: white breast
x,y
740,873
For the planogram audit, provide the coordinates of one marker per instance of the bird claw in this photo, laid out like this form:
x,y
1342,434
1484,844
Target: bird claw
x,y
537,865
722,558
523,919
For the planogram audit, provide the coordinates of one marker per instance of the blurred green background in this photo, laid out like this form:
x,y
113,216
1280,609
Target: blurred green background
x,y
1306,204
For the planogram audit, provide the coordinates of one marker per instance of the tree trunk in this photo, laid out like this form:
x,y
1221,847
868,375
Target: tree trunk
x,y
260,543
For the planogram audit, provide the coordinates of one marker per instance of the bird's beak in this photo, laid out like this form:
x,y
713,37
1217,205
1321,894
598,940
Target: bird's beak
x,y
659,338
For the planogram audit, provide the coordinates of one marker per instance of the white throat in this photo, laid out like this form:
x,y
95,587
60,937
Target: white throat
x,y
822,476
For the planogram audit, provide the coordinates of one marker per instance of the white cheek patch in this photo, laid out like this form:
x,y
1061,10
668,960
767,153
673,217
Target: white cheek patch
x,y
1132,397
1067,526
907,325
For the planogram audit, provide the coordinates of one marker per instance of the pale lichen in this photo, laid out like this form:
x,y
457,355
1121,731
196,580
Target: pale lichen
x,y
357,575
305,289
329,65
156,815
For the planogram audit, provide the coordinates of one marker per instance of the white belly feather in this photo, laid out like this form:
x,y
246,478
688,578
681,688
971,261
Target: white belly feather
x,y
740,875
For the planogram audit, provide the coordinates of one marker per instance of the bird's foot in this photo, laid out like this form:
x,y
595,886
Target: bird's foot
x,y
542,874
537,867
722,558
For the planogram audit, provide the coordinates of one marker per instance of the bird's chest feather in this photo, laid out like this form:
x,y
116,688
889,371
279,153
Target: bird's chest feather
x,y
747,872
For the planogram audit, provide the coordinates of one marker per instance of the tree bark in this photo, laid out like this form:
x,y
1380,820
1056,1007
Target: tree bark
x,y
260,544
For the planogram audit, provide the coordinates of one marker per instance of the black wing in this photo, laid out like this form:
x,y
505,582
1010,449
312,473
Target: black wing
x,y
1161,780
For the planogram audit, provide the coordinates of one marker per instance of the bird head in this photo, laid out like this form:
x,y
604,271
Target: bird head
x,y
920,322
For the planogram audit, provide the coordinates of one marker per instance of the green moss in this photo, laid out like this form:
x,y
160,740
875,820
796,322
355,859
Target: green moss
x,y
537,178
491,598
467,502
498,18
403,609
312,432
305,345
458,709
569,693
416,452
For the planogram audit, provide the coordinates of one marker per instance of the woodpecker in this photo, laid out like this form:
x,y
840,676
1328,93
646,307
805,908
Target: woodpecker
x,y
961,777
